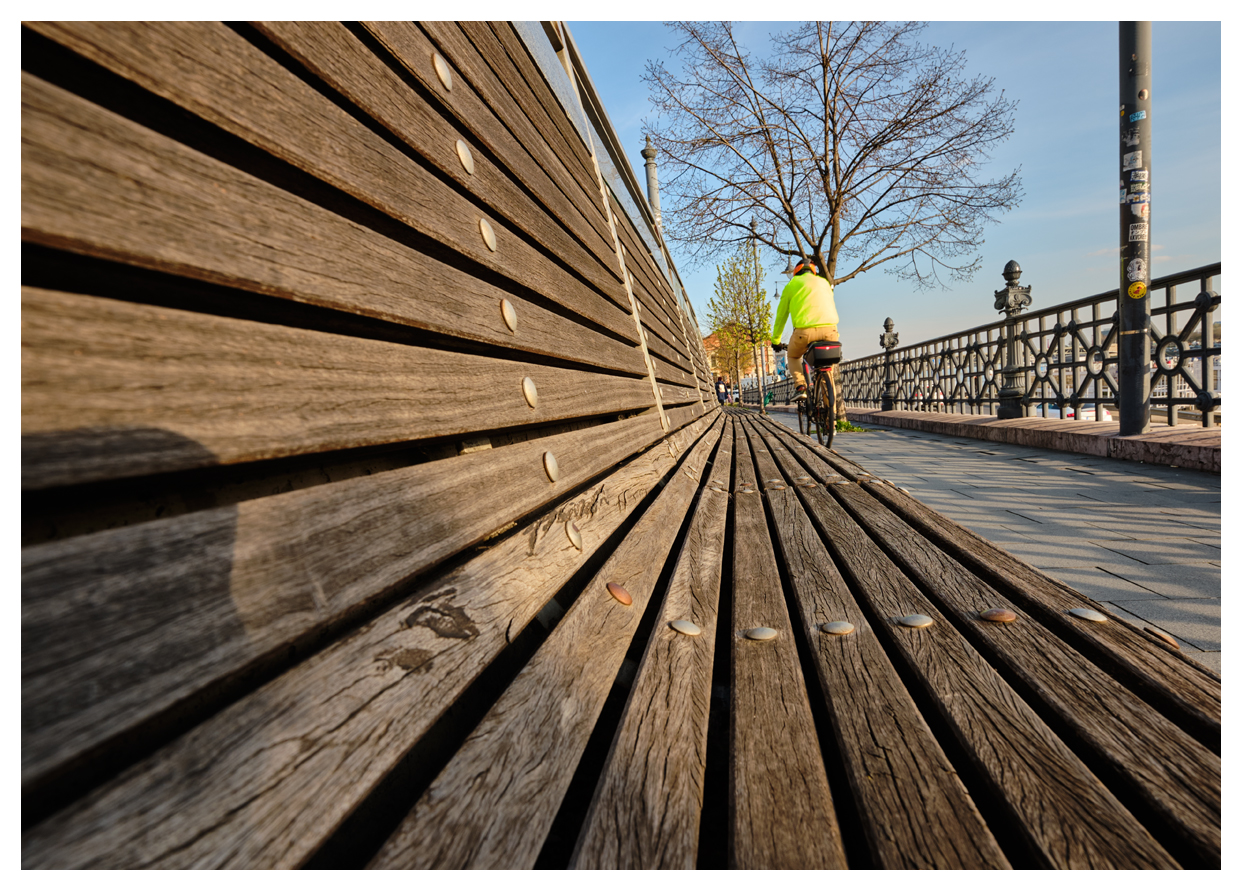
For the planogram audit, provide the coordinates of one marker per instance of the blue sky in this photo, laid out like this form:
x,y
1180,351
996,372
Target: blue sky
x,y
1064,231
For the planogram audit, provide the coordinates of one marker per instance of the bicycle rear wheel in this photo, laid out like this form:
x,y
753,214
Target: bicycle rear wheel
x,y
824,408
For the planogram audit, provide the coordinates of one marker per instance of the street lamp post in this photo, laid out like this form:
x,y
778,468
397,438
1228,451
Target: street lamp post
x,y
1133,302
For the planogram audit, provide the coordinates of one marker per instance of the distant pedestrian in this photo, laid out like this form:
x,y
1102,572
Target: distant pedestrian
x,y
722,391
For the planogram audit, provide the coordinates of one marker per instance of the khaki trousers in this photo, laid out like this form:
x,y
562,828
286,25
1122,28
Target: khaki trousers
x,y
798,342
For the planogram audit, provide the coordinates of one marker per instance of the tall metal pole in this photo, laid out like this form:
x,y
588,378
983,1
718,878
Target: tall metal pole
x,y
1134,304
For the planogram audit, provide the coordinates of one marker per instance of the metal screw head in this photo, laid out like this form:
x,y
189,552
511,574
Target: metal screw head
x,y
463,155
442,71
619,593
837,628
574,533
685,627
1167,638
550,466
509,314
529,391
1089,615
761,633
915,620
998,615
489,237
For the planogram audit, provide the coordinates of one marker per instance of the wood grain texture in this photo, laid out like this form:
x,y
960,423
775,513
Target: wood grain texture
x,y
1190,696
495,92
1177,779
646,808
508,57
120,625
220,391
493,805
264,782
1027,766
95,183
781,812
916,814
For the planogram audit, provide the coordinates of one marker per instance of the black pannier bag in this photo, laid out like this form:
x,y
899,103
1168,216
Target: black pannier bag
x,y
823,352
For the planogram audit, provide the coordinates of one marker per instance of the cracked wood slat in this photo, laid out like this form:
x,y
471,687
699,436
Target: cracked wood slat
x,y
1173,775
493,804
519,150
96,183
1179,687
331,52
265,781
915,812
1174,684
113,389
209,69
507,55
495,92
646,808
120,626
1065,815
781,812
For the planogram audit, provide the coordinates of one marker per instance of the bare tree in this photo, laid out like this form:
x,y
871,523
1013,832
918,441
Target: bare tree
x,y
851,143
739,312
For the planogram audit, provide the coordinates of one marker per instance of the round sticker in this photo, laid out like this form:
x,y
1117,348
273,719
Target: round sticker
x,y
1137,290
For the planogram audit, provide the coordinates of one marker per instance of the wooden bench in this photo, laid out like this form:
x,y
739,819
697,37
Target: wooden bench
x,y
323,497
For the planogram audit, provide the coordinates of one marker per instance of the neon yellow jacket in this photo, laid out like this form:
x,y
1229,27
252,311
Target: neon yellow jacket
x,y
808,299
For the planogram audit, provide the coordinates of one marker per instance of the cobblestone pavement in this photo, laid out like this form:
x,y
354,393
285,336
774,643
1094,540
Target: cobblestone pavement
x,y
1144,540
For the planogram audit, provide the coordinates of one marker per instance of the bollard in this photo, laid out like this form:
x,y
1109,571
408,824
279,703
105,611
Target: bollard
x,y
1011,300
888,340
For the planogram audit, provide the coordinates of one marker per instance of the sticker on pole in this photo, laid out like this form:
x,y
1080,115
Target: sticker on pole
x,y
1136,269
1130,138
1132,160
1138,116
1138,176
1138,231
1140,210
1137,290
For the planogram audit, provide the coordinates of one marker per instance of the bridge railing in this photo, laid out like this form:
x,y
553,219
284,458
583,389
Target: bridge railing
x,y
1066,360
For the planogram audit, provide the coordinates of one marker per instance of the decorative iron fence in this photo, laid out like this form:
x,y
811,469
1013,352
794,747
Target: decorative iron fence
x,y
1066,361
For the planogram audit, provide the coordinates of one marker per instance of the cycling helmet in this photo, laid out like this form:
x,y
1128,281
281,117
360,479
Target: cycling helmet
x,y
805,266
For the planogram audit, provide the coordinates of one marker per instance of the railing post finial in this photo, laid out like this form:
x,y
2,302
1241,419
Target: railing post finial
x,y
888,340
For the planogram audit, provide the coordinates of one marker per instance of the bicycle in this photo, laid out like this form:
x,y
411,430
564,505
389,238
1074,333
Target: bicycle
x,y
819,409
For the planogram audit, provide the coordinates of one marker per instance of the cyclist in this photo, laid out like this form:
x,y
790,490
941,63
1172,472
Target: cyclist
x,y
807,299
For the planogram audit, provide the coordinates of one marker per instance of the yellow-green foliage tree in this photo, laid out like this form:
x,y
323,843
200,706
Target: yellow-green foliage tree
x,y
739,312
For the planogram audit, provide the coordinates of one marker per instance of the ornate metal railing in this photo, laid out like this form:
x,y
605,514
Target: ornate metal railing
x,y
1066,360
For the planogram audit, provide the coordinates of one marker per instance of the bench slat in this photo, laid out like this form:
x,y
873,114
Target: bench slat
x,y
579,189
118,389
646,809
1025,764
781,815
493,805
96,183
1182,689
916,814
1114,723
230,793
118,626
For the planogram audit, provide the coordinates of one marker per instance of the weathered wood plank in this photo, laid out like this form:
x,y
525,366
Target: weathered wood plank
x,y
916,814
263,783
493,805
95,183
118,626
1181,688
646,808
116,389
505,52
1146,751
781,813
1187,694
1030,770
209,69
466,59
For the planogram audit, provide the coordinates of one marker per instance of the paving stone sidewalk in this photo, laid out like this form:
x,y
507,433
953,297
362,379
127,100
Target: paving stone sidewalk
x,y
1142,539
